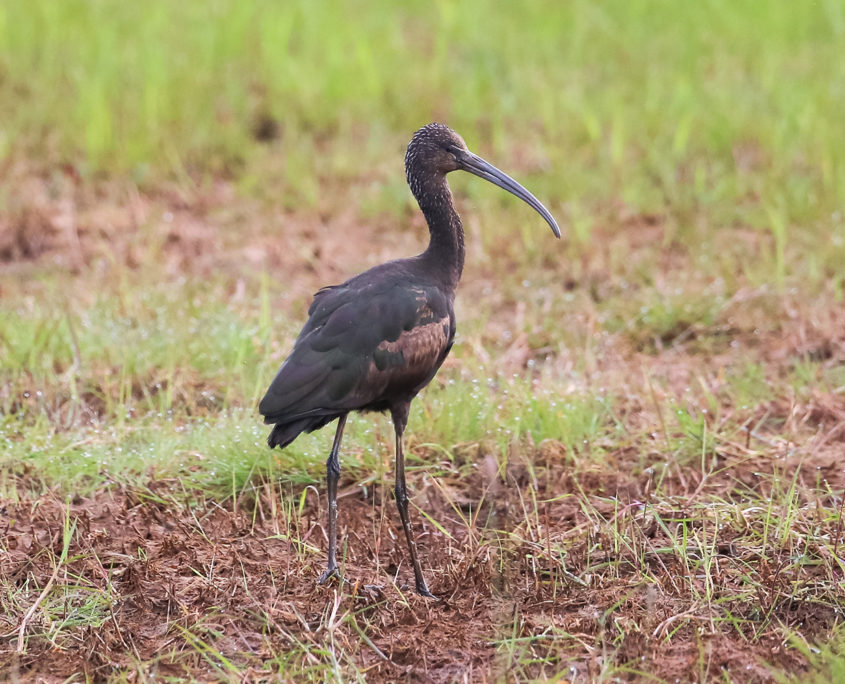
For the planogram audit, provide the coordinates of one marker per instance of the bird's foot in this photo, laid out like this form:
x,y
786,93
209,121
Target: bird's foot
x,y
422,590
330,572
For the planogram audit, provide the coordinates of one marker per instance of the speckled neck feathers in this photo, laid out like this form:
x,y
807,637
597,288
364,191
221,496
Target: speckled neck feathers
x,y
445,253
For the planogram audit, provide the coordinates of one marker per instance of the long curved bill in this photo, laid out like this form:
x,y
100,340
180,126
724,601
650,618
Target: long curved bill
x,y
477,166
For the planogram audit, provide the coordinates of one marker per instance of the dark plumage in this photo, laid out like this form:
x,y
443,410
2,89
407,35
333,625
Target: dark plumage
x,y
372,343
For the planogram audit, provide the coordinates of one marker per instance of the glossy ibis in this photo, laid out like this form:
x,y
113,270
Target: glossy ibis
x,y
373,342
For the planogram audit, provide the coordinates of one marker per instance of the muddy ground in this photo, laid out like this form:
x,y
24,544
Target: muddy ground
x,y
237,582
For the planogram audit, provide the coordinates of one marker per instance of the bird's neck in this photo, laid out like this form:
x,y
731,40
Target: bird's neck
x,y
445,253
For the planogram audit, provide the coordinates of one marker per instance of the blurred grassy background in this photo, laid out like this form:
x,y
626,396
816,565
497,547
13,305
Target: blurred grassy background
x,y
733,109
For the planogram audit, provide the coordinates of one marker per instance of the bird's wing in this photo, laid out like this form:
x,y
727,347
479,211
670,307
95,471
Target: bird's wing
x,y
361,344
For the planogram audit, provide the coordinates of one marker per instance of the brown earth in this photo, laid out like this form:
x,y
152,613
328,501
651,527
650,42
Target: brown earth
x,y
235,581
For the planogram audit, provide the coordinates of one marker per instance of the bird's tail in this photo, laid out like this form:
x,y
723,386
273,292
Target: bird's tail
x,y
283,434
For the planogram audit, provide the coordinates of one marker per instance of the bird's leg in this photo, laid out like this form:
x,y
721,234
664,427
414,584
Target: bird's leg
x,y
332,476
401,492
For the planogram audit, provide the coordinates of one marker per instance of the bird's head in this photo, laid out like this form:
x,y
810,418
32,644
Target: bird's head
x,y
436,150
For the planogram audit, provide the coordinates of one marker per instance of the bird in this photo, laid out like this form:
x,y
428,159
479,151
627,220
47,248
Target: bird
x,y
373,342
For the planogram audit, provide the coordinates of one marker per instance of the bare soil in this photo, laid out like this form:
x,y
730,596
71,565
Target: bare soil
x,y
228,578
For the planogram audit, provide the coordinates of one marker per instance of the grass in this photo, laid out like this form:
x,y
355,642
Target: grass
x,y
627,469
681,113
